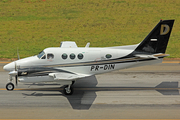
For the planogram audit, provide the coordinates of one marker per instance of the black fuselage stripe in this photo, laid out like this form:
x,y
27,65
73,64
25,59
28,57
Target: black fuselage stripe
x,y
101,63
43,72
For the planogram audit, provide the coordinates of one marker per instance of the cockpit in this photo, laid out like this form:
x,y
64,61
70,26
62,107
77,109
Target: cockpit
x,y
41,55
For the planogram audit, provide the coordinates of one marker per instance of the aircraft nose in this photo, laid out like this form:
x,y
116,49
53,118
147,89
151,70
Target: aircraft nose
x,y
9,67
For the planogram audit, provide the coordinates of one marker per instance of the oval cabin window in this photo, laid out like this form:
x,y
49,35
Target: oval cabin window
x,y
80,56
72,56
64,56
108,56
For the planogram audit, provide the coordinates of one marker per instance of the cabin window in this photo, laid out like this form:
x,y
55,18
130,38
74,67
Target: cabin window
x,y
41,55
72,56
80,56
108,55
50,56
64,56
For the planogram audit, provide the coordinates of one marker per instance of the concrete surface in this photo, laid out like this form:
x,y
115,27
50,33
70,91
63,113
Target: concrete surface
x,y
150,92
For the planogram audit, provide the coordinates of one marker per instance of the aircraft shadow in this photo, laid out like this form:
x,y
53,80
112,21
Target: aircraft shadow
x,y
85,91
41,94
80,100
40,84
168,88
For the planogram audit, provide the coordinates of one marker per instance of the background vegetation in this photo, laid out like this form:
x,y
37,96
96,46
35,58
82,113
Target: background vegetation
x,y
32,25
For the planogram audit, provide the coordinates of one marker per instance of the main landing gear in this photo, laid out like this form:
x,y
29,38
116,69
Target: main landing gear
x,y
68,89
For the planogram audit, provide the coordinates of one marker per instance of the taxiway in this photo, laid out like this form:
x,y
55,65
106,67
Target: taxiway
x,y
145,92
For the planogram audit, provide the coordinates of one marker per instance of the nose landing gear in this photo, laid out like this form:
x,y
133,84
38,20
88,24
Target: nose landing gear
x,y
10,86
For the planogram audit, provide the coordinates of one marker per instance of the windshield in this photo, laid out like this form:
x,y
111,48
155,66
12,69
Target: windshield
x,y
41,54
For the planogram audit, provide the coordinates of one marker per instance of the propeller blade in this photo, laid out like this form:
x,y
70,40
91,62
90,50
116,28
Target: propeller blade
x,y
15,66
16,77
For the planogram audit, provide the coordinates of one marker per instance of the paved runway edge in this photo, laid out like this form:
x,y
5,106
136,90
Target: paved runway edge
x,y
90,119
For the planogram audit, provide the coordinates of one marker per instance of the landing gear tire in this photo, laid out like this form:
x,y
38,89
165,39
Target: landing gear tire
x,y
10,86
68,90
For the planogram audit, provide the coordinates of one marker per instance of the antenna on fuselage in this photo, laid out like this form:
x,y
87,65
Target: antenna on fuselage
x,y
18,54
87,45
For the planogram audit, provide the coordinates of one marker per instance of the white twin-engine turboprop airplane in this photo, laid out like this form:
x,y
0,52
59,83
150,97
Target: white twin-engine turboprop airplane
x,y
68,63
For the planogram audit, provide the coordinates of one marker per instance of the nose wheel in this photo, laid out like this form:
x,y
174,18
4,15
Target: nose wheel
x,y
68,90
10,86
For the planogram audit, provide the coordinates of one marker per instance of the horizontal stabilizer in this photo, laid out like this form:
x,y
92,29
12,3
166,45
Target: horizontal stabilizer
x,y
155,56
146,56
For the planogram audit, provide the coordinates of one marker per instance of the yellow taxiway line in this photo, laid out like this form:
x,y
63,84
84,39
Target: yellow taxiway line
x,y
4,62
171,62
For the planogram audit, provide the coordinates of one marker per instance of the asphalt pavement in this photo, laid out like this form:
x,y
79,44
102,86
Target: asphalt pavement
x,y
149,92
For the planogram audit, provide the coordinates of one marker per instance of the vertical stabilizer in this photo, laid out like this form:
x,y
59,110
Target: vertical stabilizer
x,y
157,40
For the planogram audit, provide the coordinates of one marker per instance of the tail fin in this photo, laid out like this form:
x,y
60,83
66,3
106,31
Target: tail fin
x,y
157,40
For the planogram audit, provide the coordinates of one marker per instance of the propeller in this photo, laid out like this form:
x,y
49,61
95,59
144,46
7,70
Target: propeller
x,y
16,69
16,77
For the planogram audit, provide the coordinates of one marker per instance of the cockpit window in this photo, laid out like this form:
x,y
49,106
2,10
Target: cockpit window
x,y
50,56
41,55
44,57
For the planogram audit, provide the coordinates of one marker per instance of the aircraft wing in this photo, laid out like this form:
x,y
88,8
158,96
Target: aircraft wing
x,y
67,76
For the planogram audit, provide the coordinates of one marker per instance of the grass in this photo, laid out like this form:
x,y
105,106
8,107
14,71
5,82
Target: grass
x,y
32,25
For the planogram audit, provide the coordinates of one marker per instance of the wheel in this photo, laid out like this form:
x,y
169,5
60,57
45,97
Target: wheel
x,y
68,91
10,86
